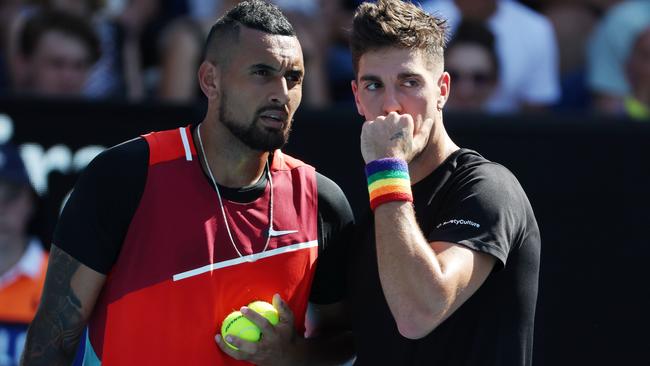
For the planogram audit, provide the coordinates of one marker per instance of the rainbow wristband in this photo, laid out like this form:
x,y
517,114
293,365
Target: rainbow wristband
x,y
388,180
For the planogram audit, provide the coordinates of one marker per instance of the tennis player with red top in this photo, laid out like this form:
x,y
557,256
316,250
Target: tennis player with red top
x,y
166,234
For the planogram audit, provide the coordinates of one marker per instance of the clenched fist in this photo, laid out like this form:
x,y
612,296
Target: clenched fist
x,y
394,136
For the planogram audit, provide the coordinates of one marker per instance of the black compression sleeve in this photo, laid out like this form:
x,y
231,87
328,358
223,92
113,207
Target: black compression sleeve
x,y
336,223
97,215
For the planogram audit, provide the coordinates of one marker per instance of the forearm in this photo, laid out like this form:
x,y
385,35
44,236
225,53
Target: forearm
x,y
51,340
410,273
68,297
54,333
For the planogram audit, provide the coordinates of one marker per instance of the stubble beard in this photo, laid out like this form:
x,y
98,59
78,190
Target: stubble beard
x,y
252,135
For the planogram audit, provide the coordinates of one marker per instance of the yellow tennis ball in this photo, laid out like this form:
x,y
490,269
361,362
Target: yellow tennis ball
x,y
266,310
236,324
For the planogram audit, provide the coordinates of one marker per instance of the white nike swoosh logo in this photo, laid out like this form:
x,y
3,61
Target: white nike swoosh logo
x,y
273,232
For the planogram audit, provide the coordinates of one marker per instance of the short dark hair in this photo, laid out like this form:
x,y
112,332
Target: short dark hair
x,y
395,23
45,21
254,14
477,33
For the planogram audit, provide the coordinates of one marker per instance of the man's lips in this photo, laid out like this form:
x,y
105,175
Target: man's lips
x,y
274,118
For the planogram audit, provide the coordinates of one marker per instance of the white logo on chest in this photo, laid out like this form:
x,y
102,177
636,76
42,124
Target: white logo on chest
x,y
273,232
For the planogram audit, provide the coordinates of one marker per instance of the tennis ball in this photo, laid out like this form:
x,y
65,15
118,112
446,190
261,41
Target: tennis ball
x,y
266,310
236,324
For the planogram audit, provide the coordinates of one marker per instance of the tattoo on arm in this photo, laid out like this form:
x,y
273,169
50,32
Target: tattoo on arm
x,y
54,334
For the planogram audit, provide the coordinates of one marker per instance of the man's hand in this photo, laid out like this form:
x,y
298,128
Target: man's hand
x,y
394,136
277,345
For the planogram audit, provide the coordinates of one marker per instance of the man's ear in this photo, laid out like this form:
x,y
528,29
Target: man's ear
x,y
355,91
445,87
210,79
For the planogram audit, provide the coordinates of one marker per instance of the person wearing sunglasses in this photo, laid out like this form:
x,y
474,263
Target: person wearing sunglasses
x,y
473,67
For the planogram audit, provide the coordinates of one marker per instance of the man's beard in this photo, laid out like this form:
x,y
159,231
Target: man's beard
x,y
253,135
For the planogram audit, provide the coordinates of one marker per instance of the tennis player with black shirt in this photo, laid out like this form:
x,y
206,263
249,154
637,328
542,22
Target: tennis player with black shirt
x,y
447,271
165,235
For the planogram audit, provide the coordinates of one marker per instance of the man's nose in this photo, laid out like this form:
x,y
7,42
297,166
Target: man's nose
x,y
391,103
280,94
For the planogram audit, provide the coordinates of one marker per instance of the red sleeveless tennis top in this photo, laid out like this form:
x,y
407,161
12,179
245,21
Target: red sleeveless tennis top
x,y
178,274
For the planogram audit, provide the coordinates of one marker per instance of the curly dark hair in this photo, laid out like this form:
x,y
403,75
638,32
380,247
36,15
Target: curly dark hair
x,y
396,23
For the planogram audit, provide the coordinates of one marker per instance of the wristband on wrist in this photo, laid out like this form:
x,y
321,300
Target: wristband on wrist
x,y
388,180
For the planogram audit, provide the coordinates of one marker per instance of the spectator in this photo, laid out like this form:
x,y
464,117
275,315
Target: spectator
x,y
8,11
180,47
140,23
55,53
526,47
572,21
304,14
338,15
472,63
22,259
637,104
107,76
608,51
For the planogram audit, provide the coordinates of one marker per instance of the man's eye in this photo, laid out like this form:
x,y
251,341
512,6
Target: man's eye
x,y
410,83
373,86
261,72
294,78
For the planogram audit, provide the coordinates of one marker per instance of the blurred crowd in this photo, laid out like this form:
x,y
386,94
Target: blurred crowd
x,y
504,55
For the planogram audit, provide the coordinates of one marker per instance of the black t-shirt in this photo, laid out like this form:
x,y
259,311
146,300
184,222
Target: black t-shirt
x,y
479,204
96,217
